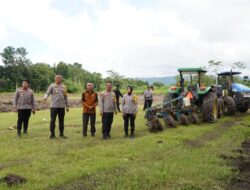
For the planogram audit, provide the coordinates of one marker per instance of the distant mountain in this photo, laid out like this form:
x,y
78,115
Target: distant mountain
x,y
165,80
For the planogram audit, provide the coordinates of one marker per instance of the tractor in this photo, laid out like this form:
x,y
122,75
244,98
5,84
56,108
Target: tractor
x,y
197,98
236,96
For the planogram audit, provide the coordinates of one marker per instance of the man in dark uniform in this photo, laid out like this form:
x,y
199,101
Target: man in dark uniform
x,y
59,100
89,103
118,94
24,103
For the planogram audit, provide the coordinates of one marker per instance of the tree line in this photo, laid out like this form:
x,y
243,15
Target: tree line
x,y
16,67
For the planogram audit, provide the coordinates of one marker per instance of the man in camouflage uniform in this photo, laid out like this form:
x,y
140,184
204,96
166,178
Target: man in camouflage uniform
x,y
24,103
107,109
129,110
59,100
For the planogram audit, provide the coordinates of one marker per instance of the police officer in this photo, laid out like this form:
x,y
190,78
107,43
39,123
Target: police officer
x,y
129,110
59,100
89,102
148,98
24,103
108,107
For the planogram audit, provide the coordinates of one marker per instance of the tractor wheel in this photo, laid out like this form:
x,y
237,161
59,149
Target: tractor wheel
x,y
170,122
195,118
220,107
210,108
167,98
244,107
184,120
159,125
229,106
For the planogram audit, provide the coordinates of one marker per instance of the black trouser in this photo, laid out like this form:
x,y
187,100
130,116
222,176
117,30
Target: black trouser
x,y
53,114
129,118
147,104
107,120
23,119
85,120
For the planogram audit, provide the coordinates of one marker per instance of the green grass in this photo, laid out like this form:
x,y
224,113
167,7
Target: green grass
x,y
140,163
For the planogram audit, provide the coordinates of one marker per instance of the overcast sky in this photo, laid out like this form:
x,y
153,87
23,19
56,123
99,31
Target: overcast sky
x,y
137,38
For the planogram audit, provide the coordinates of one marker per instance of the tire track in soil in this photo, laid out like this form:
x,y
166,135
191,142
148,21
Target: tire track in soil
x,y
211,135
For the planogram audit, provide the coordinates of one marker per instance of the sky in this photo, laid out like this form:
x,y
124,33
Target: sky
x,y
137,38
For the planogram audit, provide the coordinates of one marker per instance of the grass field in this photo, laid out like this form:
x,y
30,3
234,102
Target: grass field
x,y
185,158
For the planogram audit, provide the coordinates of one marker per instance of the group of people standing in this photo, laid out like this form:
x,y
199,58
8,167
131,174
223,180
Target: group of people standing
x,y
108,101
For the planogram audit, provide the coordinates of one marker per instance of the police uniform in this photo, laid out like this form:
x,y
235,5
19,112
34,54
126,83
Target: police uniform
x,y
148,99
89,99
129,109
24,102
107,105
59,100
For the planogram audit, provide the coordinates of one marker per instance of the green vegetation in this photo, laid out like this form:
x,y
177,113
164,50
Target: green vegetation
x,y
185,158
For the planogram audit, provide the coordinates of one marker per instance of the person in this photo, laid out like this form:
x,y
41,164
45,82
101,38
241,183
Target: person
x,y
148,98
108,107
129,110
89,102
118,94
24,103
59,100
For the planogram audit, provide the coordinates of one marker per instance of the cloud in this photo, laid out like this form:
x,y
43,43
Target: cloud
x,y
150,40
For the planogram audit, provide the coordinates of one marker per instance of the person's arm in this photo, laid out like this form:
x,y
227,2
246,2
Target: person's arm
x,y
101,103
66,99
120,94
84,101
15,100
96,101
48,93
123,103
115,105
136,105
33,103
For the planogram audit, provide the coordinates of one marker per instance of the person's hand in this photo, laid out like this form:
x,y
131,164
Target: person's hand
x,y
15,109
34,111
67,109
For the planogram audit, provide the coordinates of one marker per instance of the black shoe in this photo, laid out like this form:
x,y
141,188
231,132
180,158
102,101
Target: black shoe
x,y
63,137
126,136
92,135
84,135
52,137
131,136
19,134
105,137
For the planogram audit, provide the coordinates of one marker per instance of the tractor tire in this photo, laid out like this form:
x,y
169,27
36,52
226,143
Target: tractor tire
x,y
167,98
195,118
184,120
229,106
220,107
244,107
210,108
170,122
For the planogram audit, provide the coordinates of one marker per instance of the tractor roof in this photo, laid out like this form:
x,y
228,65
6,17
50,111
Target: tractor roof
x,y
192,70
229,73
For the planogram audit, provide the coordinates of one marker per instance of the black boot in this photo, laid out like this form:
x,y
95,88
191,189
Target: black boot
x,y
19,133
52,135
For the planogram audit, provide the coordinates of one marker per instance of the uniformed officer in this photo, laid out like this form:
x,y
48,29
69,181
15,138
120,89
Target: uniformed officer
x,y
89,102
108,107
148,98
59,100
129,110
24,103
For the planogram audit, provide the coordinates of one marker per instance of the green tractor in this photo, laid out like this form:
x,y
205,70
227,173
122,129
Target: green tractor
x,y
195,95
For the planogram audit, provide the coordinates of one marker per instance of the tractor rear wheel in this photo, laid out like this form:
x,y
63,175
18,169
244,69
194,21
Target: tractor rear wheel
x,y
229,106
210,108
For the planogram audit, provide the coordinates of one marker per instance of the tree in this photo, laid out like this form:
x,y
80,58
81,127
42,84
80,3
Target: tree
x,y
62,69
239,65
158,84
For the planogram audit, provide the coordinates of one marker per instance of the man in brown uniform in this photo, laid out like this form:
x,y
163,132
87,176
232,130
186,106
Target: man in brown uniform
x,y
59,100
107,110
24,102
89,102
